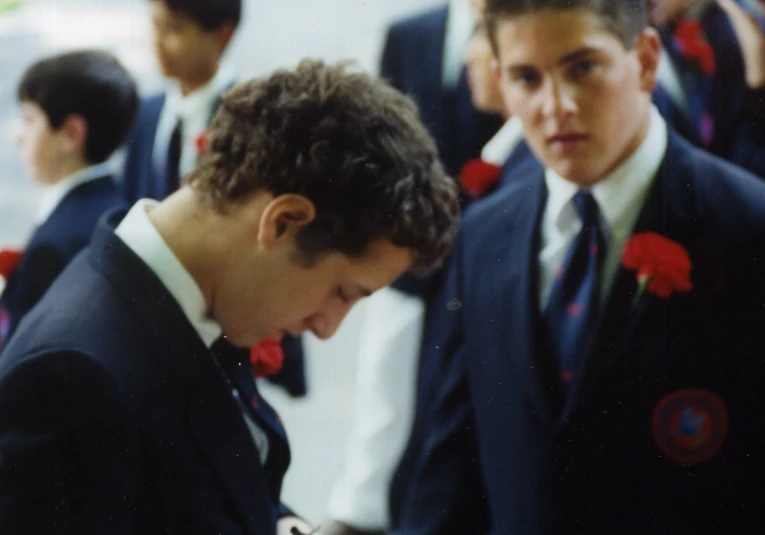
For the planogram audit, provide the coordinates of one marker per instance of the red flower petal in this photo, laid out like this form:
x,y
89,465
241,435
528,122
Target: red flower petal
x,y
9,259
201,141
664,263
477,176
267,357
691,41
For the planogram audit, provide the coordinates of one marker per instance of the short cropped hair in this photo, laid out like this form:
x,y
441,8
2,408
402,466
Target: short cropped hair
x,y
208,14
88,83
351,144
626,19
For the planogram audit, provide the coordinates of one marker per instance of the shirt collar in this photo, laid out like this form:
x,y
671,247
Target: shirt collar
x,y
53,195
501,146
201,98
142,237
621,194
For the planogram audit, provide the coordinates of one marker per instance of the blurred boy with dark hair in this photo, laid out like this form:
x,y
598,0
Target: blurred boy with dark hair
x,y
319,187
76,109
190,38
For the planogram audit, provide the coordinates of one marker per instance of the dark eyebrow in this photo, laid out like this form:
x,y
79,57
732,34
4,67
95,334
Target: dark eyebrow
x,y
568,58
575,55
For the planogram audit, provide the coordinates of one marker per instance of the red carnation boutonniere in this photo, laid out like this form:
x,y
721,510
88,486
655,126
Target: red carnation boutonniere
x,y
689,38
662,266
200,142
9,259
478,176
267,357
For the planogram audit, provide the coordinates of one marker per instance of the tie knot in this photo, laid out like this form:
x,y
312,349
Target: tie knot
x,y
586,207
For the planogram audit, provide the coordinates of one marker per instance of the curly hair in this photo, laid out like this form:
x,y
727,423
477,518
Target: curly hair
x,y
351,144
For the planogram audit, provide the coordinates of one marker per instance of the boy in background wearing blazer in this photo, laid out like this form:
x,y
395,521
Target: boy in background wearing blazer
x,y
76,109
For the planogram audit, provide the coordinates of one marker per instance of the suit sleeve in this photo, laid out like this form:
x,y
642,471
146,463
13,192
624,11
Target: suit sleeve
x,y
41,268
446,494
389,61
68,449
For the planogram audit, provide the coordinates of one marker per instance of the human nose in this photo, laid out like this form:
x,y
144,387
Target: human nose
x,y
325,324
558,99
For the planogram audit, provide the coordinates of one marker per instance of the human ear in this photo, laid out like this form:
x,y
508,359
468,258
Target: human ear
x,y
648,53
74,132
285,215
224,35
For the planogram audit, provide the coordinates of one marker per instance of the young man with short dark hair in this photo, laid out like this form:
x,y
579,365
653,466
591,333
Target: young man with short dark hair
x,y
604,347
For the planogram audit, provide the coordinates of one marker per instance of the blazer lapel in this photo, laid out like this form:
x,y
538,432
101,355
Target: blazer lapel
x,y
670,210
213,415
216,423
515,280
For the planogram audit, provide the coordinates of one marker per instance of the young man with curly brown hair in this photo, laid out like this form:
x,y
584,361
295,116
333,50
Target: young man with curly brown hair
x,y
319,187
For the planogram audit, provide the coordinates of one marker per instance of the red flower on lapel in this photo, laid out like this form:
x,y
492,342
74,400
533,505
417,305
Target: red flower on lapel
x,y
267,357
690,39
662,265
9,259
477,176
200,142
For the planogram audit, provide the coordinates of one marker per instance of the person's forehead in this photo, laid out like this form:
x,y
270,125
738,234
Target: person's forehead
x,y
548,36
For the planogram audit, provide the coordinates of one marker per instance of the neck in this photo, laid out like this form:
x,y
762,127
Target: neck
x,y
191,84
632,146
189,230
67,168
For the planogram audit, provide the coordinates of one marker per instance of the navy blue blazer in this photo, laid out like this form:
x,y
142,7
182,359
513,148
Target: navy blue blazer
x,y
668,382
140,178
52,246
737,111
520,164
115,418
411,60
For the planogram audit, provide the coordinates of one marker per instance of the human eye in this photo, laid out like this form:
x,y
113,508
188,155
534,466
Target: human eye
x,y
340,294
528,78
582,68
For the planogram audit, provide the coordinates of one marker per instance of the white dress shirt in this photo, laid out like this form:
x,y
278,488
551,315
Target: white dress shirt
x,y
384,403
140,235
620,197
53,195
501,146
460,23
195,110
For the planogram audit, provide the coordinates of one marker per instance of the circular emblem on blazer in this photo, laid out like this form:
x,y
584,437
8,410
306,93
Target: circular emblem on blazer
x,y
690,426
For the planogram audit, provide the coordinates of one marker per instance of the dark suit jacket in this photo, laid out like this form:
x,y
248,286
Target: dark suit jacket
x,y
597,463
472,517
140,178
411,61
114,417
738,112
53,245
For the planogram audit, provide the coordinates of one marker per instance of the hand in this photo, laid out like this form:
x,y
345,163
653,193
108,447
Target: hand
x,y
293,525
751,39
